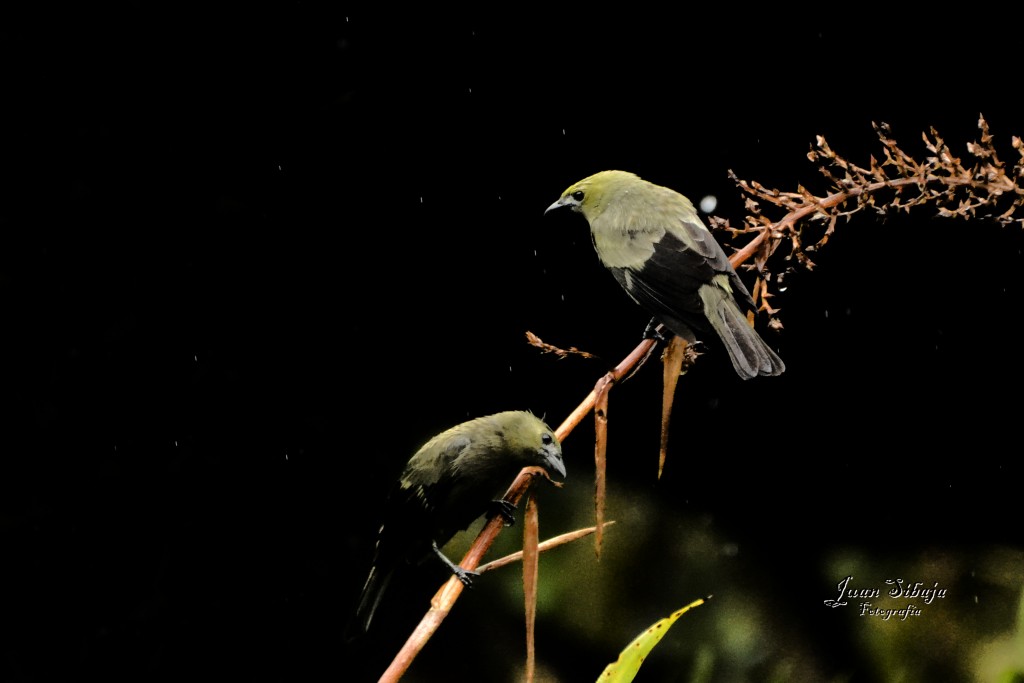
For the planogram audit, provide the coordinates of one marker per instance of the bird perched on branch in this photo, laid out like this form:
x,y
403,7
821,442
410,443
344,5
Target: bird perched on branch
x,y
654,243
448,483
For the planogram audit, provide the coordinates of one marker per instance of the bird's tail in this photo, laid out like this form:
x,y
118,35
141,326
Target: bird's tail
x,y
373,590
749,353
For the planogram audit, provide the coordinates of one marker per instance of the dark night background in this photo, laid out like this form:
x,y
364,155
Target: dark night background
x,y
252,260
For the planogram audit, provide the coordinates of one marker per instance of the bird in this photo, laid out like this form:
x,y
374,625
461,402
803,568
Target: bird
x,y
658,249
448,483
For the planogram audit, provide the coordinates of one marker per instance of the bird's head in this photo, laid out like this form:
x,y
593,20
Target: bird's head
x,y
550,455
592,195
534,441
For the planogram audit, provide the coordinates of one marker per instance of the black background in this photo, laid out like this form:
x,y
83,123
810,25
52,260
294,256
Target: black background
x,y
251,260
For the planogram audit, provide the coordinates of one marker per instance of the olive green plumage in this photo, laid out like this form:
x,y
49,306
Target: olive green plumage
x,y
655,245
448,483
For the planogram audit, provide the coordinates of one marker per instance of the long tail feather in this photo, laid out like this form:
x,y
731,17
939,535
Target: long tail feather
x,y
749,353
373,590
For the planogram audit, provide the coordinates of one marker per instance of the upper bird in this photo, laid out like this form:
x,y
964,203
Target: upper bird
x,y
654,243
448,483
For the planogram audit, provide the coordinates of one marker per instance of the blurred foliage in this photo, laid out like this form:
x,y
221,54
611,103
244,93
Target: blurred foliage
x,y
756,627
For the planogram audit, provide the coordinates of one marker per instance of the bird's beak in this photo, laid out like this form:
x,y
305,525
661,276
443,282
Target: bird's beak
x,y
557,205
554,464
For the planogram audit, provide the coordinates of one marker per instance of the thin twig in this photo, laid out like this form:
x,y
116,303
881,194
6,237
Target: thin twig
x,y
554,542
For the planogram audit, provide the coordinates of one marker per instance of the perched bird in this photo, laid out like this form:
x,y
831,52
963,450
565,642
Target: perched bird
x,y
654,243
448,483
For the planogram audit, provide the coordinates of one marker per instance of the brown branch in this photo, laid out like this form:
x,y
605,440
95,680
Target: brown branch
x,y
531,571
600,467
547,545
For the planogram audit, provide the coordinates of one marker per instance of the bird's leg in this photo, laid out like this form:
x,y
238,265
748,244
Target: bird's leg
x,y
505,509
464,575
652,331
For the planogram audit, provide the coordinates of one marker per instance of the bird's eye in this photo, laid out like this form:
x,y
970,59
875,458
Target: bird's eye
x,y
546,438
577,195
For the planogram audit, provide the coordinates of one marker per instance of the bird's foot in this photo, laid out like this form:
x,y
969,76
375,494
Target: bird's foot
x,y
504,508
654,331
464,575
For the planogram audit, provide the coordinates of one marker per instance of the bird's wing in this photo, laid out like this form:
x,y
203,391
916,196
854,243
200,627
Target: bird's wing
x,y
412,508
691,234
667,285
429,471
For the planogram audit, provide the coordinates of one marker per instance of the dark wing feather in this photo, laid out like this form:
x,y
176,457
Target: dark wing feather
x,y
676,285
667,285
410,520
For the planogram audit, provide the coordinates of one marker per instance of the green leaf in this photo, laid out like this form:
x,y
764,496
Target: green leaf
x,y
630,659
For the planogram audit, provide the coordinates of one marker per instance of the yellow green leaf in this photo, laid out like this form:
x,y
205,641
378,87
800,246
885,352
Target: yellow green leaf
x,y
626,667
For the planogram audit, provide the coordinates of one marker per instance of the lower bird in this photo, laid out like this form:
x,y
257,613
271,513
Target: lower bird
x,y
448,483
654,243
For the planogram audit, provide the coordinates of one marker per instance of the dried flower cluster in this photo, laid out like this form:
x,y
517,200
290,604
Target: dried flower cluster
x,y
986,189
